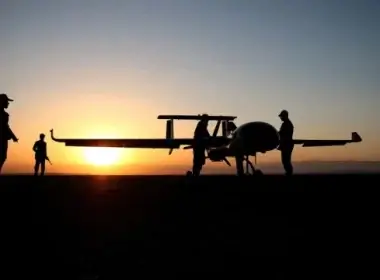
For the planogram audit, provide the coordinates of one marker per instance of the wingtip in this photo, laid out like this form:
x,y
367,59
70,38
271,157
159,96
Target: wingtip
x,y
52,134
355,137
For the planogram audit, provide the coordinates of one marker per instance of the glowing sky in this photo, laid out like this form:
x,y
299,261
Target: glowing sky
x,y
108,68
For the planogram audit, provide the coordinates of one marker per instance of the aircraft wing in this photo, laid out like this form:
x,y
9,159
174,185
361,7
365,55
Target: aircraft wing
x,y
144,143
355,138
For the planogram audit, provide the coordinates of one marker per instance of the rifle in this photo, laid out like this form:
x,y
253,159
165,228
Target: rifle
x,y
47,158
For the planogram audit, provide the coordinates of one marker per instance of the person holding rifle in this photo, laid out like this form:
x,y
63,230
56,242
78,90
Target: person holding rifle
x,y
40,150
6,132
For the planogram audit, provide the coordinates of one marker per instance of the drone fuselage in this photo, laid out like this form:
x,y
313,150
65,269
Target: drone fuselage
x,y
248,140
240,142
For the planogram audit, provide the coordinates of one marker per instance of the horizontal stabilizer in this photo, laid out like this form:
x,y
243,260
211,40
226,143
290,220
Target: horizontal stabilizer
x,y
323,143
195,117
147,143
355,138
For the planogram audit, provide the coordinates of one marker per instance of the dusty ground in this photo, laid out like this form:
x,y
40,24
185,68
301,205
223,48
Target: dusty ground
x,y
272,227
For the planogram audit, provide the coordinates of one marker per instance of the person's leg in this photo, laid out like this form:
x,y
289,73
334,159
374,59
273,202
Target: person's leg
x,y
239,165
3,158
195,163
36,167
196,169
286,157
198,160
42,167
3,153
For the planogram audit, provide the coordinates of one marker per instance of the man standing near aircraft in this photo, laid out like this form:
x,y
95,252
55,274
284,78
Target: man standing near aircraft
x,y
5,131
199,146
40,150
286,142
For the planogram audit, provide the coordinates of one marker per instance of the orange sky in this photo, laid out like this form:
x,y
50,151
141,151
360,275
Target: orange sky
x,y
106,116
88,123
111,68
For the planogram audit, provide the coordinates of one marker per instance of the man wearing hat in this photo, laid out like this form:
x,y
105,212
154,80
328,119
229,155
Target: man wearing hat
x,y
40,150
286,142
199,146
6,132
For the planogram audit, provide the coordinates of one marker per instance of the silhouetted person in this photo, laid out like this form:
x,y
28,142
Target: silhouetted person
x,y
286,142
6,132
40,150
199,145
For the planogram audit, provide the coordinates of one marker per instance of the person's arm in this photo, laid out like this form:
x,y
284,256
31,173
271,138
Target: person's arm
x,y
281,130
207,133
286,132
35,147
281,133
12,135
5,122
46,153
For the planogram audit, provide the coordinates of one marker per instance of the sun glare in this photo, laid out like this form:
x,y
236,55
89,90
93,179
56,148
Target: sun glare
x,y
102,156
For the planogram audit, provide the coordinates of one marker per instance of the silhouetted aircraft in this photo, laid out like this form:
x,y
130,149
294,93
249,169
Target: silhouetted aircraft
x,y
240,142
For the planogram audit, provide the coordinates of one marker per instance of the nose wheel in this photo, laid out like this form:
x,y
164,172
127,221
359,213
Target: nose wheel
x,y
249,167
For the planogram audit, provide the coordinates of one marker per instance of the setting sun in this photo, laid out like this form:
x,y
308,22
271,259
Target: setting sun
x,y
102,156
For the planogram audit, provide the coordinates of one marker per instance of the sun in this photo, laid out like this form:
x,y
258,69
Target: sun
x,y
102,156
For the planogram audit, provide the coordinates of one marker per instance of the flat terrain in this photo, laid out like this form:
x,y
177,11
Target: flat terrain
x,y
271,227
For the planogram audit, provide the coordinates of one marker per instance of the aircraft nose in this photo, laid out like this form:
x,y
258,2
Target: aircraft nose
x,y
236,145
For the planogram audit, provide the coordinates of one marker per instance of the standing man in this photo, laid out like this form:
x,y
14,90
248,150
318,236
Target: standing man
x,y
200,145
286,142
40,151
6,132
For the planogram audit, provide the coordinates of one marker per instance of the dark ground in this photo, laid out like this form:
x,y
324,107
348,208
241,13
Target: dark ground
x,y
271,227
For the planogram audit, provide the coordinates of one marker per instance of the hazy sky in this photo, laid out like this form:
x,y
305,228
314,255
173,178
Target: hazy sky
x,y
108,68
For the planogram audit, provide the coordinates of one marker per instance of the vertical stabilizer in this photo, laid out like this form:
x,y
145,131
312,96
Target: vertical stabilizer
x,y
169,129
224,129
169,132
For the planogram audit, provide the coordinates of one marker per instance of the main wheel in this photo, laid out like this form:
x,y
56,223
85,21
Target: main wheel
x,y
258,172
189,174
250,169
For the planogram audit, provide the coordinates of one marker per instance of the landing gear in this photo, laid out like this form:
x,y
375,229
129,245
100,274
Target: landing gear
x,y
249,168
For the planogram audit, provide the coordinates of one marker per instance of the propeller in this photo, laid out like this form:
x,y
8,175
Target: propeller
x,y
227,162
210,142
224,159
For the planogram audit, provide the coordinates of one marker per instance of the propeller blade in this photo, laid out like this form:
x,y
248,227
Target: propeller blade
x,y
226,161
